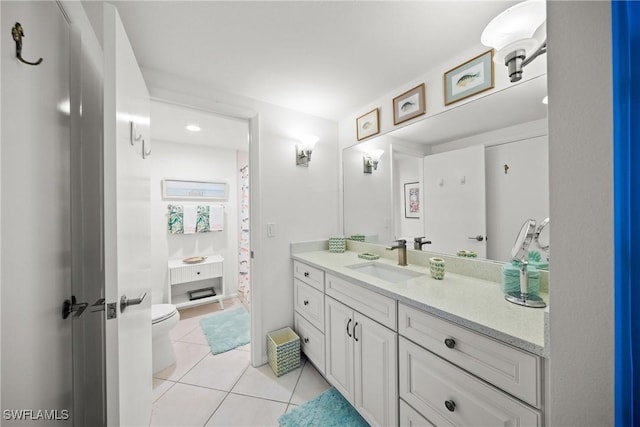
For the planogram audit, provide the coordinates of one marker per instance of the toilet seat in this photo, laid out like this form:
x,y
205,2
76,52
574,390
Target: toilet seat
x,y
161,312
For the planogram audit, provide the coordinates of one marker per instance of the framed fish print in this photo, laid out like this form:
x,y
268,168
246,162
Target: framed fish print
x,y
412,200
468,79
368,124
409,105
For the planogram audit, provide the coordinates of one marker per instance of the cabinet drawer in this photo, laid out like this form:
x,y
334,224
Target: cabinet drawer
x,y
309,275
311,341
409,417
191,273
378,307
447,395
514,371
310,303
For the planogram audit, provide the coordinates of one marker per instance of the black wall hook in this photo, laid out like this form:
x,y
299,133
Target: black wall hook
x,y
18,34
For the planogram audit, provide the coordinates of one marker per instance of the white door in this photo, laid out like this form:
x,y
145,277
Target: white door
x,y
454,201
376,376
339,347
126,229
36,225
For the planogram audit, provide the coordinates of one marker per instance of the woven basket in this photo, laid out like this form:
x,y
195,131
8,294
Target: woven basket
x,y
337,244
283,350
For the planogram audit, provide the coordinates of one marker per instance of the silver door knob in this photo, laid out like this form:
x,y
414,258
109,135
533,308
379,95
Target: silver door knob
x,y
479,238
125,302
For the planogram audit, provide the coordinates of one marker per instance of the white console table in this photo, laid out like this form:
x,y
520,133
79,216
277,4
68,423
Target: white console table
x,y
185,278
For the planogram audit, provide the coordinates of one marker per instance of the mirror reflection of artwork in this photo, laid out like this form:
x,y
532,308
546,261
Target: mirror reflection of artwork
x,y
412,200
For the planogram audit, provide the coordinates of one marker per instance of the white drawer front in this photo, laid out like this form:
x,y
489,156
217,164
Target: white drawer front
x,y
191,273
311,341
514,371
378,307
409,417
308,274
439,390
310,303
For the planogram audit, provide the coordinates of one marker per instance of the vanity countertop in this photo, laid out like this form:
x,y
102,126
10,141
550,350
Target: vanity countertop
x,y
467,301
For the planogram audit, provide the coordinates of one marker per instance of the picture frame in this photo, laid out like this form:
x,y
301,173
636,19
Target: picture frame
x,y
201,190
468,79
410,104
412,200
368,124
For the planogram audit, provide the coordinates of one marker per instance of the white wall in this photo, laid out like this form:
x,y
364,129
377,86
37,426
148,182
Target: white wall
x,y
301,202
176,160
581,201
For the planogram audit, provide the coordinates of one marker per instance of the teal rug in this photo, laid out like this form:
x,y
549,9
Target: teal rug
x,y
329,409
227,330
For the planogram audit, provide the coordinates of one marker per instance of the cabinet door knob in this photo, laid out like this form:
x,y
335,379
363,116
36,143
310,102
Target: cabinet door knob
x,y
450,342
306,340
306,274
197,272
306,302
450,404
348,323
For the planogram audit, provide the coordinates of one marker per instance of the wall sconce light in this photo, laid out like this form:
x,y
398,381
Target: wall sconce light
x,y
371,160
304,150
518,35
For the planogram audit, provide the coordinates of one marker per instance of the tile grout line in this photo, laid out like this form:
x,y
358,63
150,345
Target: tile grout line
x,y
304,363
225,396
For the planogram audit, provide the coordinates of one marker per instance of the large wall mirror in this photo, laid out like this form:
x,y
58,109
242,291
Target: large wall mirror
x,y
466,178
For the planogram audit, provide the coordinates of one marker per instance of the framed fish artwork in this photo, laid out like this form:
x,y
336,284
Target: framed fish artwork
x,y
368,124
410,104
468,79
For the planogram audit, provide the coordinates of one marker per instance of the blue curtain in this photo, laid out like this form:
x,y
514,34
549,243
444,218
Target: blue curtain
x,y
626,111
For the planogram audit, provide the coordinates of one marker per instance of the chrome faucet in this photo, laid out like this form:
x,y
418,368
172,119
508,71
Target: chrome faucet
x,y
419,242
401,246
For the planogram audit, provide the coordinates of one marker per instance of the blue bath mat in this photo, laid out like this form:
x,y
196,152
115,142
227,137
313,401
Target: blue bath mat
x,y
227,330
329,409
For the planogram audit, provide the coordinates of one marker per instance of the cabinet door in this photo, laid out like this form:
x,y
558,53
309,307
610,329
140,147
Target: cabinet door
x,y
339,347
376,377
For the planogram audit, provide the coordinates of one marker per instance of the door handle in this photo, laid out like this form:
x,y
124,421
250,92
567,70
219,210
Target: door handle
x,y
71,306
98,305
479,238
126,302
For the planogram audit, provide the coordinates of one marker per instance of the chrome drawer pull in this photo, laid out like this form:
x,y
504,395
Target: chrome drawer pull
x,y
450,404
450,342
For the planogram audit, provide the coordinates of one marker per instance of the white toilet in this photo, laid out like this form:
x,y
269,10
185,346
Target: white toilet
x,y
164,318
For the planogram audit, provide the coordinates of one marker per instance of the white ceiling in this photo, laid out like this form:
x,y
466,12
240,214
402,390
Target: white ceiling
x,y
325,58
169,123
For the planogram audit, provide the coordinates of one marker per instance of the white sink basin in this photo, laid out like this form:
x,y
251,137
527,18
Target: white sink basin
x,y
385,272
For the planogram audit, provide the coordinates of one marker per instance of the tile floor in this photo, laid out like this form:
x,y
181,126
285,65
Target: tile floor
x,y
224,390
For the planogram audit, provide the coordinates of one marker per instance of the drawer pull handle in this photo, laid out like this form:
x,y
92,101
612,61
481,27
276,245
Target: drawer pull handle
x,y
306,274
450,342
450,404
306,302
348,323
354,331
306,340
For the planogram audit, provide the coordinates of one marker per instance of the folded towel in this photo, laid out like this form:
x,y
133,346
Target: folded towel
x,y
175,224
190,219
202,221
216,217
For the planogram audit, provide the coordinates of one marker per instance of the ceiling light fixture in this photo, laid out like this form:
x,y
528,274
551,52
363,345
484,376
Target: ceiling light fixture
x,y
518,35
193,128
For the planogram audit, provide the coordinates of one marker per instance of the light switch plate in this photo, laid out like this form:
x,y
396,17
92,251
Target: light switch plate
x,y
271,229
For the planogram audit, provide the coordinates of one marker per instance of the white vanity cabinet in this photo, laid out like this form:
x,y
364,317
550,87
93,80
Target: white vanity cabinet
x,y
453,376
361,362
308,296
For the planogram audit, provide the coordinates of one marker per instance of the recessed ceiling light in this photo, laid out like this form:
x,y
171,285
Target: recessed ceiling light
x,y
193,128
